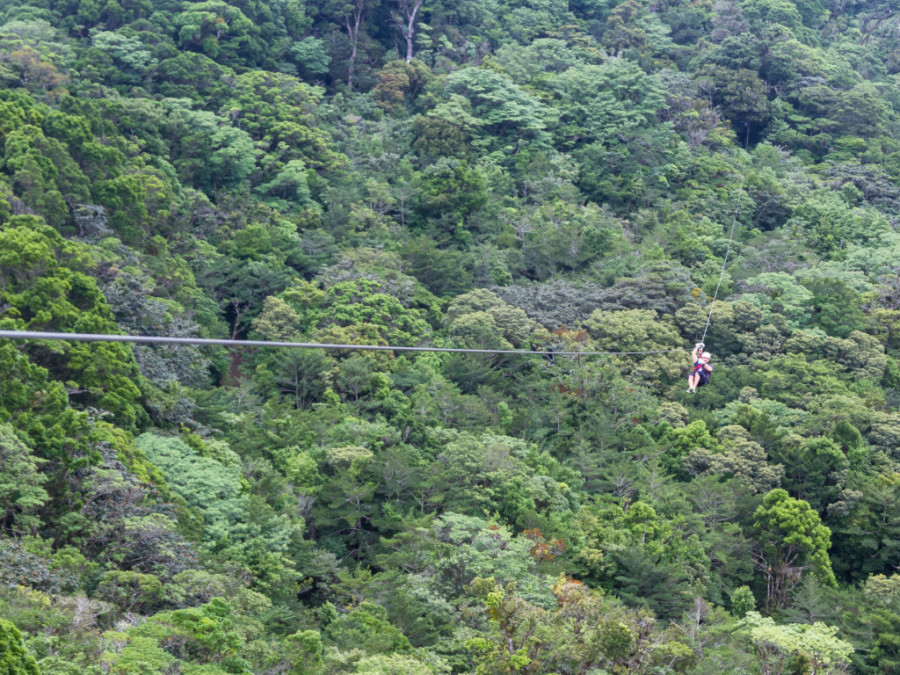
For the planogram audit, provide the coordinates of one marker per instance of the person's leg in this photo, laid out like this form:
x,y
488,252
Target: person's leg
x,y
692,381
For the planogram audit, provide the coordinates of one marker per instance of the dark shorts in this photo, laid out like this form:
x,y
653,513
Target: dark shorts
x,y
704,377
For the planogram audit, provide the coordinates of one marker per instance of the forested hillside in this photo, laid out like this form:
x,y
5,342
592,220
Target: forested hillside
x,y
500,174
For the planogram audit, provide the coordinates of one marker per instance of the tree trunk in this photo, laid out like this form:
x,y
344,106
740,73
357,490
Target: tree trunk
x,y
352,22
410,10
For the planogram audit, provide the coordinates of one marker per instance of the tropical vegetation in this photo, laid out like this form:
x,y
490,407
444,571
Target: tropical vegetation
x,y
531,175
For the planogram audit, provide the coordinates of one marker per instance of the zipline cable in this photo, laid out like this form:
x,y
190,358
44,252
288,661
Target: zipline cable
x,y
724,262
166,340
162,340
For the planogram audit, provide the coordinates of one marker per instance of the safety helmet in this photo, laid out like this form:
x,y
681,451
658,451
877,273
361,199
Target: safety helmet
x,y
706,355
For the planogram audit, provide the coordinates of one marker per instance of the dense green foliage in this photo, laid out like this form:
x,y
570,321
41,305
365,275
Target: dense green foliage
x,y
477,173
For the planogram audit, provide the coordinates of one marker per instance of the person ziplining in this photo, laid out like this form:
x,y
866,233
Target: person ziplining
x,y
702,368
700,359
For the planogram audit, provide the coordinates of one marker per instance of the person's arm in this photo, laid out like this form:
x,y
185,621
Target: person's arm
x,y
708,367
696,352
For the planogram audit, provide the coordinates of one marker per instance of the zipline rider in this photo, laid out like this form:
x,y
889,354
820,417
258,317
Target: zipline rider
x,y
701,368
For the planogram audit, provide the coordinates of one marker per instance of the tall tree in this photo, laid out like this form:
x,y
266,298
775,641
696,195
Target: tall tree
x,y
407,22
352,21
20,483
349,14
790,541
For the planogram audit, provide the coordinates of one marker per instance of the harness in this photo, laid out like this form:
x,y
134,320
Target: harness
x,y
701,371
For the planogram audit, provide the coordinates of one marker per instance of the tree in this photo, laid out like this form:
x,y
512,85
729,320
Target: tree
x,y
301,374
738,456
582,632
126,51
14,659
407,22
883,600
450,191
368,304
503,114
233,158
346,513
742,601
192,637
46,287
768,18
217,29
289,186
622,31
277,322
136,655
132,591
835,306
367,627
643,579
204,634
565,236
638,330
742,96
481,318
863,96
350,14
830,224
233,523
518,623
43,172
399,80
816,471
304,651
817,644
790,540
21,493
443,271
866,526
397,664
311,55
606,103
